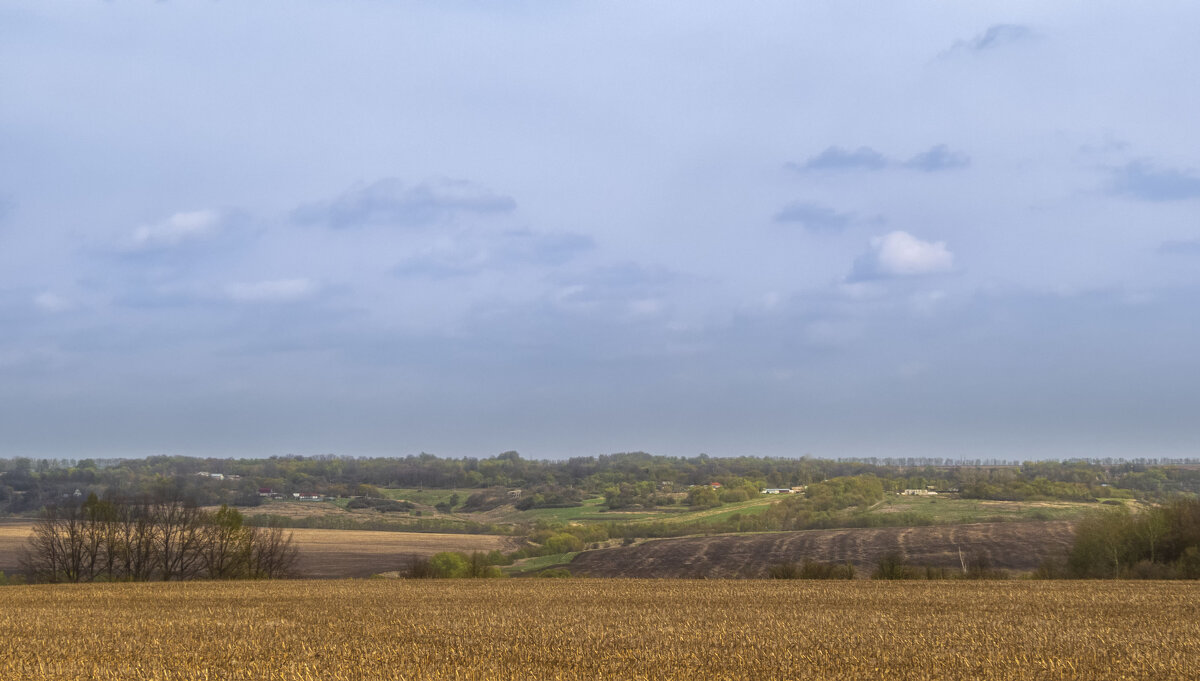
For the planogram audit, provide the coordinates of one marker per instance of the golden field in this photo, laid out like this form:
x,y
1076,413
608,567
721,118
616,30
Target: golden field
x,y
601,629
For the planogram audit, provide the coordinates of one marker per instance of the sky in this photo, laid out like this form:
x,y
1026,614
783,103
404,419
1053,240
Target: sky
x,y
369,228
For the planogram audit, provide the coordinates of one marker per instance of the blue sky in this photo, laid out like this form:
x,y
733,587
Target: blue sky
x,y
371,228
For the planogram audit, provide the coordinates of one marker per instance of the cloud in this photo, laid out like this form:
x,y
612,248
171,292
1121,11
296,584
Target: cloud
x,y
837,158
1186,247
626,291
938,158
51,302
1142,180
177,229
271,291
900,254
814,216
517,248
391,202
996,37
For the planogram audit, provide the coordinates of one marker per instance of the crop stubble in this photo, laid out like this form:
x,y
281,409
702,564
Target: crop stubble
x,y
601,629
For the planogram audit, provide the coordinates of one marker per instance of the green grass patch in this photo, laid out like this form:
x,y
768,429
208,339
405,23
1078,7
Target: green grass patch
x,y
427,497
529,565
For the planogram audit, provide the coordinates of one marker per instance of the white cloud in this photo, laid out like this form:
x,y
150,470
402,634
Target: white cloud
x,y
900,254
271,291
176,229
51,302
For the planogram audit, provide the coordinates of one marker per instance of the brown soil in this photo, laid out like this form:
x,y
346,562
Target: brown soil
x,y
1017,546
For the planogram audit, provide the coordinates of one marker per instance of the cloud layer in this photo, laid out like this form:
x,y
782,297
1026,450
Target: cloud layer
x,y
384,228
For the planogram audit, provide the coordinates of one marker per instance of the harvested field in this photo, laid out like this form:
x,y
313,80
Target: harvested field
x,y
355,553
575,630
1010,546
12,538
326,553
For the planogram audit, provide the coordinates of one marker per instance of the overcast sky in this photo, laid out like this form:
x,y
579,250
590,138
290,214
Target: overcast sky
x,y
773,228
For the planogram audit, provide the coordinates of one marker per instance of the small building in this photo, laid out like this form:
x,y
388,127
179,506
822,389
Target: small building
x,y
715,485
777,490
918,493
308,496
265,491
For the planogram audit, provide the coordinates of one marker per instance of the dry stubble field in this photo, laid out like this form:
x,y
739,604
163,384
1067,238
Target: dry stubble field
x,y
601,629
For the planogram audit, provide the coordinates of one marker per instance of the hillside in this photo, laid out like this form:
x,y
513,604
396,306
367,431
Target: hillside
x,y
1018,546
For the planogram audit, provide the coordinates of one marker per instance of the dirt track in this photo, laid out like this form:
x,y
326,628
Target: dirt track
x,y
1011,546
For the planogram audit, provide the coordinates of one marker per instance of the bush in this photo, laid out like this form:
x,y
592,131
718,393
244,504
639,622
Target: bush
x,y
784,570
454,565
892,566
448,565
381,505
810,569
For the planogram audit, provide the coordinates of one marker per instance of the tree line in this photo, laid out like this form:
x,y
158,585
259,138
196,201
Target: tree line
x,y
152,540
626,480
1162,542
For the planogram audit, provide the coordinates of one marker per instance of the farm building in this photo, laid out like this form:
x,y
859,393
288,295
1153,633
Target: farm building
x,y
777,490
919,493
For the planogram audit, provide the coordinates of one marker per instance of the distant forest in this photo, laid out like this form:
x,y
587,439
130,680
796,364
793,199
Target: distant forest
x,y
625,480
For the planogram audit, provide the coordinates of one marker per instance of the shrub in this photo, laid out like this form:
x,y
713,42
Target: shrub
x,y
892,566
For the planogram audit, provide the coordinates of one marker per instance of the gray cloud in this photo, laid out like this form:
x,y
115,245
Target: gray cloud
x,y
996,37
814,216
390,202
837,158
1000,35
1142,180
939,157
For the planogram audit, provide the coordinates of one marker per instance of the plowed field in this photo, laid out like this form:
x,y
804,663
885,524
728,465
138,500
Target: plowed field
x,y
1010,546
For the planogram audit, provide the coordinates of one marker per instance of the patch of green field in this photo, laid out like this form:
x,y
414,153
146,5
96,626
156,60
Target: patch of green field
x,y
427,497
540,563
592,510
950,510
722,512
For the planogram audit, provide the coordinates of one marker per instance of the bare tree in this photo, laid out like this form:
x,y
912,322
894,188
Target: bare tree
x,y
177,541
169,540
273,555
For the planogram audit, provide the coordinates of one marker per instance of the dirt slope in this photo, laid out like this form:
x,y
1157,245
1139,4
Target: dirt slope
x,y
1012,546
